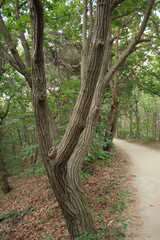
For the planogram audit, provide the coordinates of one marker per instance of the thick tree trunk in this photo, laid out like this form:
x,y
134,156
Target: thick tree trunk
x,y
4,176
71,200
61,164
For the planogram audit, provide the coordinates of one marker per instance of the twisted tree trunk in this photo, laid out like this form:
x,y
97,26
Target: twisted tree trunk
x,y
63,162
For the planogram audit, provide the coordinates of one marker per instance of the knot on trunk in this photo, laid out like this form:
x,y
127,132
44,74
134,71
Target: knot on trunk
x,y
40,96
99,44
52,152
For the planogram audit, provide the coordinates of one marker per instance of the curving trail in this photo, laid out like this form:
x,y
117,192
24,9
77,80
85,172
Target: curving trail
x,y
146,169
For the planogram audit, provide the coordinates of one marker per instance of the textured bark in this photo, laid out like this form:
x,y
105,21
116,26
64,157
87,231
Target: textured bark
x,y
39,83
72,201
64,161
4,176
84,52
111,127
3,172
86,35
85,139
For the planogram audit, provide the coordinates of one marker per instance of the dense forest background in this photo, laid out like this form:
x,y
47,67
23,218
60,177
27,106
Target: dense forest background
x,y
130,107
137,86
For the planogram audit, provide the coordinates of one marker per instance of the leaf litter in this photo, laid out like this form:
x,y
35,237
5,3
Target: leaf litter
x,y
38,216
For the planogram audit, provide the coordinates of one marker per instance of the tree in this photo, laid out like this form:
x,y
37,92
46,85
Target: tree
x,y
3,171
63,161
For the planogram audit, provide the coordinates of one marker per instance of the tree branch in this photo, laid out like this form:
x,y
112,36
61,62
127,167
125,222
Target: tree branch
x,y
84,51
127,13
82,107
144,40
12,48
22,4
37,29
5,55
132,44
23,39
91,20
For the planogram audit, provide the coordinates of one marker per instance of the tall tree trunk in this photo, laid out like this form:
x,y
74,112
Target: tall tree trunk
x,y
113,113
61,173
71,200
111,126
4,176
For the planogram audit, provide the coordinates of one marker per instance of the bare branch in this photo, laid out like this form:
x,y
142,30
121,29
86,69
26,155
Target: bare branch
x,y
144,40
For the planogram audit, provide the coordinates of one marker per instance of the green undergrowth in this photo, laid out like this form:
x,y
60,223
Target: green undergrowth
x,y
14,215
106,233
96,156
35,169
119,203
15,163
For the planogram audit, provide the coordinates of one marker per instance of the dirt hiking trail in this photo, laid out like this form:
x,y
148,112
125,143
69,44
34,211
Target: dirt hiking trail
x,y
145,167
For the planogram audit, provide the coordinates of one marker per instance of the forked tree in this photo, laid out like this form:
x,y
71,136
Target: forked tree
x,y
63,162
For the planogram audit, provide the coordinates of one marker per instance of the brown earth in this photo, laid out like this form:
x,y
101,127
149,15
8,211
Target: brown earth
x,y
34,213
113,197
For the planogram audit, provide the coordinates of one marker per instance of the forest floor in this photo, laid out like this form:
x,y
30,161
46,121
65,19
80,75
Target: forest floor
x,y
31,212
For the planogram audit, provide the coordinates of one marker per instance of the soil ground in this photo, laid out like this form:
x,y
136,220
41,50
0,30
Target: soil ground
x,y
33,213
30,210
